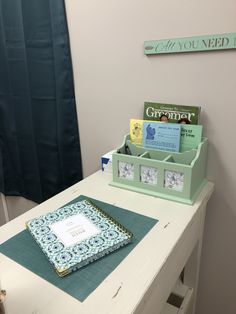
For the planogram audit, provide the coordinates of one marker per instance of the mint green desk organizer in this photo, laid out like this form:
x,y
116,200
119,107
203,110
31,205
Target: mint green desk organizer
x,y
174,176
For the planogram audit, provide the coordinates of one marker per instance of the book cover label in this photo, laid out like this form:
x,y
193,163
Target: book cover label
x,y
74,229
163,136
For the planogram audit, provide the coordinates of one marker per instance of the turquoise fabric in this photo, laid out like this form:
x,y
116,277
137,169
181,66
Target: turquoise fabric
x,y
39,137
24,250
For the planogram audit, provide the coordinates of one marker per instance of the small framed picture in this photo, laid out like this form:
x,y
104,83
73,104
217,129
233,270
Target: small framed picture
x,y
126,170
174,180
148,175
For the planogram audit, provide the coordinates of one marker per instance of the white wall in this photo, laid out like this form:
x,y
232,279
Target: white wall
x,y
13,206
113,78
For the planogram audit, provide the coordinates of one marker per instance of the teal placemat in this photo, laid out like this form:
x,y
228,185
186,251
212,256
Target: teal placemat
x,y
24,250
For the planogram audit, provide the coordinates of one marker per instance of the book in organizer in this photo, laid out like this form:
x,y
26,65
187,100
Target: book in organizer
x,y
191,136
172,112
76,235
136,131
153,131
162,136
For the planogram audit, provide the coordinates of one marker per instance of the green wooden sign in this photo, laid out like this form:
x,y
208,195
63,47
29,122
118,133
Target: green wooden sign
x,y
191,44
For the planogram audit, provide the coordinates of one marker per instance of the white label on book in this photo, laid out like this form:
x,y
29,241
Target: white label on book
x,y
74,229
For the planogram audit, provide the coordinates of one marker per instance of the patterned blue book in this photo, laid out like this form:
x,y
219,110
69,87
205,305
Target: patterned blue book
x,y
163,136
76,235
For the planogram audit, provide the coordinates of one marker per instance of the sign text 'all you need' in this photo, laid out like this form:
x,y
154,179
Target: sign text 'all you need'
x,y
191,44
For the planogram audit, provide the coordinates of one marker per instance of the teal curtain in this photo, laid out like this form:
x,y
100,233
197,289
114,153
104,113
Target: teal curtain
x,y
39,140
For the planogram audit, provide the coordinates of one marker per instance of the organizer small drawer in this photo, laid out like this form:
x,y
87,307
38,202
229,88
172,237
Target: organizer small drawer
x,y
179,301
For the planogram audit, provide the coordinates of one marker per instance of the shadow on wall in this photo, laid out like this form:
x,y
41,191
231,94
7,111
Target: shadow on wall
x,y
219,256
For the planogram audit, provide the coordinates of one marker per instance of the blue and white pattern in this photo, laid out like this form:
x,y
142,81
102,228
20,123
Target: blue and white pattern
x,y
55,247
126,170
111,236
174,180
148,175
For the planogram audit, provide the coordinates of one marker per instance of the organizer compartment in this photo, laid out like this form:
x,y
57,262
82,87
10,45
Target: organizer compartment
x,y
174,176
